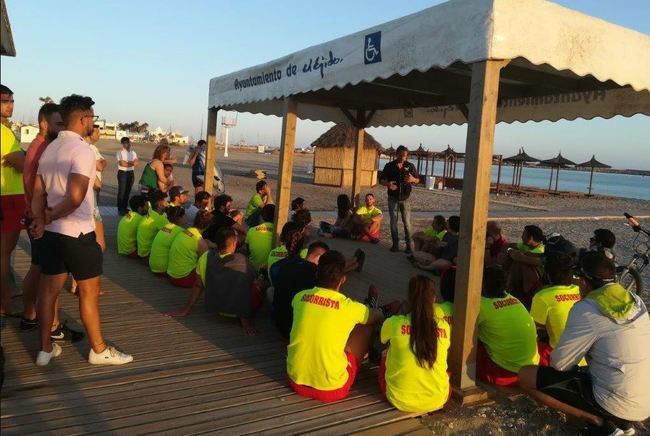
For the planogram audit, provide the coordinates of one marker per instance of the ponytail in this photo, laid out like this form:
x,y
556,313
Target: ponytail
x,y
292,238
423,340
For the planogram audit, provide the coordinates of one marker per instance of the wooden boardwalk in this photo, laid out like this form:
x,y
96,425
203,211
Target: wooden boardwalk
x,y
197,374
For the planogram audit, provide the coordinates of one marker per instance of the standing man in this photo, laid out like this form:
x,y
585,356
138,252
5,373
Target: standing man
x,y
197,162
63,217
398,176
12,201
127,160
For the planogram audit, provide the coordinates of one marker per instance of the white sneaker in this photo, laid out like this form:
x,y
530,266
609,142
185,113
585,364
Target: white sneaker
x,y
110,356
43,357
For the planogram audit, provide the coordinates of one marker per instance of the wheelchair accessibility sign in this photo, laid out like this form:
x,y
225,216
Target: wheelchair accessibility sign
x,y
372,48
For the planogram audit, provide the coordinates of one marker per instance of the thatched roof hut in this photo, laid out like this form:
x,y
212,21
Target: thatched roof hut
x,y
334,157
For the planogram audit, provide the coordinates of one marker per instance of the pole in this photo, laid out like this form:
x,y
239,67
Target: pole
x,y
591,178
357,170
557,177
226,140
211,150
287,144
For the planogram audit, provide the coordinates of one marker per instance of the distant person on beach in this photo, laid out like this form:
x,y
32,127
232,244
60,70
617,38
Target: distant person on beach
x,y
610,327
330,336
551,304
197,162
49,124
229,281
162,243
342,227
261,198
446,252
185,250
413,369
153,175
149,226
202,200
127,228
127,160
12,200
506,333
428,239
398,176
524,263
63,208
259,239
367,221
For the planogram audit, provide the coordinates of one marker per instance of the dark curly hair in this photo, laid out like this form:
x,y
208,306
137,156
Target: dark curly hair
x,y
74,103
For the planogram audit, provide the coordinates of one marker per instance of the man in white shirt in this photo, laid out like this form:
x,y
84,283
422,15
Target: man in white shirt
x,y
127,160
63,219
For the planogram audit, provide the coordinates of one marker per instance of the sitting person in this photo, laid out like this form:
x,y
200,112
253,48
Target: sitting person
x,y
261,198
413,370
178,196
201,202
367,221
427,239
222,216
603,241
162,243
169,176
525,264
228,279
297,204
609,327
445,308
330,335
495,244
302,218
185,250
289,230
259,239
151,224
445,256
342,228
551,304
506,333
127,229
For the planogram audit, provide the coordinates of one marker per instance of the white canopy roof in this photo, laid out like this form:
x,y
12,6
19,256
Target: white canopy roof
x,y
415,70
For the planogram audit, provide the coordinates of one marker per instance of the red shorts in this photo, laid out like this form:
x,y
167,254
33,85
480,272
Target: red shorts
x,y
133,255
334,395
12,209
544,349
184,282
366,238
488,371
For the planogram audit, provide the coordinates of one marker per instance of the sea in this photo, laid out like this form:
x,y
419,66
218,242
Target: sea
x,y
616,185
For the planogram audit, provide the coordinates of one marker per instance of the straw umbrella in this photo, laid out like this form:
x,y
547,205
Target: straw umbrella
x,y
420,153
556,163
518,162
592,163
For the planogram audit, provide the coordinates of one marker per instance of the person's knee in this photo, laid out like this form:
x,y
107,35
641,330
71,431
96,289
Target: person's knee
x,y
528,377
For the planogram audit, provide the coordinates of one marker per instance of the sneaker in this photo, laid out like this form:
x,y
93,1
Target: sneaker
x,y
361,257
110,356
27,324
394,248
43,357
63,333
372,300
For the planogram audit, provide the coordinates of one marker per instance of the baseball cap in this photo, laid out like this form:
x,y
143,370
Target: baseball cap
x,y
175,191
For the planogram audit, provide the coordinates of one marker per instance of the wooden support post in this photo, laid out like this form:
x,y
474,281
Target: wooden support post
x,y
285,172
473,220
357,169
211,150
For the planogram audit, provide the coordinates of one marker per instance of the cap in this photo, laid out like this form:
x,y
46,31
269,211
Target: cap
x,y
175,191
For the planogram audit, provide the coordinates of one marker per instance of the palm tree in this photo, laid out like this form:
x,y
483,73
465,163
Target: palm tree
x,y
47,99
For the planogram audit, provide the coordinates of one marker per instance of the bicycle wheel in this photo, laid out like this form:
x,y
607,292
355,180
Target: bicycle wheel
x,y
631,280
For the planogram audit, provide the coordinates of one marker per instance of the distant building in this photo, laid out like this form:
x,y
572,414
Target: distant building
x,y
106,129
27,133
133,136
175,138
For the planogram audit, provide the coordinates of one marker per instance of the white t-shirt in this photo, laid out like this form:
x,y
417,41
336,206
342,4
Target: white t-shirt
x,y
98,156
66,155
128,156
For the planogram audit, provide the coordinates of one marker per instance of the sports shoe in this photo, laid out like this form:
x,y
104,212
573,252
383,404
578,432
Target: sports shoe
x,y
372,300
63,333
408,250
361,257
43,357
27,324
394,248
110,356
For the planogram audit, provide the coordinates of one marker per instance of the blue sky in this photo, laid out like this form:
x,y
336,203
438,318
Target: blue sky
x,y
151,60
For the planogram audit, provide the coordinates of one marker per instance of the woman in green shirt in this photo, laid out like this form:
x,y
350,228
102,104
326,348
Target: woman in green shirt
x,y
153,176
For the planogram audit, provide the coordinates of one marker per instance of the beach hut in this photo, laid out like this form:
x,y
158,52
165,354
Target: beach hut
x,y
592,163
556,163
518,161
459,62
334,157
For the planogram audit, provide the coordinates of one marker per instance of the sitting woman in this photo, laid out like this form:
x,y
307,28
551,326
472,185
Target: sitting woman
x,y
506,333
413,371
428,239
162,243
185,251
342,228
153,176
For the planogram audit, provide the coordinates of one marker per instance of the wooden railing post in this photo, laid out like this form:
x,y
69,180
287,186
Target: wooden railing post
x,y
473,219
287,149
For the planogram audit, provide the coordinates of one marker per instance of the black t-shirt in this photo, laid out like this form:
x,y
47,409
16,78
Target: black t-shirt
x,y
392,173
219,220
289,276
450,251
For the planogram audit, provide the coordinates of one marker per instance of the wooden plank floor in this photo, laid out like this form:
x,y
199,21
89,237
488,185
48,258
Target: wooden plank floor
x,y
194,375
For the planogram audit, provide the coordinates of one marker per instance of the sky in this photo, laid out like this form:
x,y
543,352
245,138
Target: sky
x,y
151,61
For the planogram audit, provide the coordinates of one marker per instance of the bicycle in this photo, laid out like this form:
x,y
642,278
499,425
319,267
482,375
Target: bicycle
x,y
630,275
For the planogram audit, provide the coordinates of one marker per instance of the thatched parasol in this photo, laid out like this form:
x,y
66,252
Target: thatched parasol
x,y
518,161
556,163
592,163
343,135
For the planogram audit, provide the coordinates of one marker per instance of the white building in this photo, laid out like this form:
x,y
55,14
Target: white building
x,y
27,133
106,129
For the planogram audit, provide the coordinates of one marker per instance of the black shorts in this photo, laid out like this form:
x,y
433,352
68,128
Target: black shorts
x,y
197,180
82,256
575,389
35,248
